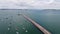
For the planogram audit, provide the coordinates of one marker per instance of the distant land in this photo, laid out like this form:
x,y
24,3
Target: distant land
x,y
34,9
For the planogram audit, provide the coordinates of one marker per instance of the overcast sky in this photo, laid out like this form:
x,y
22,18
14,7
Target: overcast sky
x,y
29,4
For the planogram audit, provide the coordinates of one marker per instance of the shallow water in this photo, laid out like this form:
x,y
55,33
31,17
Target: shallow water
x,y
48,19
11,23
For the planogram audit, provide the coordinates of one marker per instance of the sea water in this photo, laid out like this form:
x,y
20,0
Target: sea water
x,y
12,23
49,19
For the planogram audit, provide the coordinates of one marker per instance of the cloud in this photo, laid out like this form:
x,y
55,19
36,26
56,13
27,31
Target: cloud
x,y
29,4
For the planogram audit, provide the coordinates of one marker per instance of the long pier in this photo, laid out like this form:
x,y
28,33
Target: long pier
x,y
37,25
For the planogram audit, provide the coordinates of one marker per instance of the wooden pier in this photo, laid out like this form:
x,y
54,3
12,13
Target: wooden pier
x,y
37,25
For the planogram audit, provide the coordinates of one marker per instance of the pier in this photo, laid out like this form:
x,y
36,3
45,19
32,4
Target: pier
x,y
37,25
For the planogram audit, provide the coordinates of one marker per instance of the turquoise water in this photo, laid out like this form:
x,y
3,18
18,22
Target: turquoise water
x,y
49,19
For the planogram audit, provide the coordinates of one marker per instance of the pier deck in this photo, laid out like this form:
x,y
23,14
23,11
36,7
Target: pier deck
x,y
37,25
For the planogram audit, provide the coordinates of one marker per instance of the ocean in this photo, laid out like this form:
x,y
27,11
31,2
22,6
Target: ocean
x,y
12,23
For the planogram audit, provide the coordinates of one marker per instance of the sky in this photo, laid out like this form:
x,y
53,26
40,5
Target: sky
x,y
29,4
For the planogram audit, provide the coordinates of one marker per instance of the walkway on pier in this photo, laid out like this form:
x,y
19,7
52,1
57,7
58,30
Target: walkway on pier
x,y
37,25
